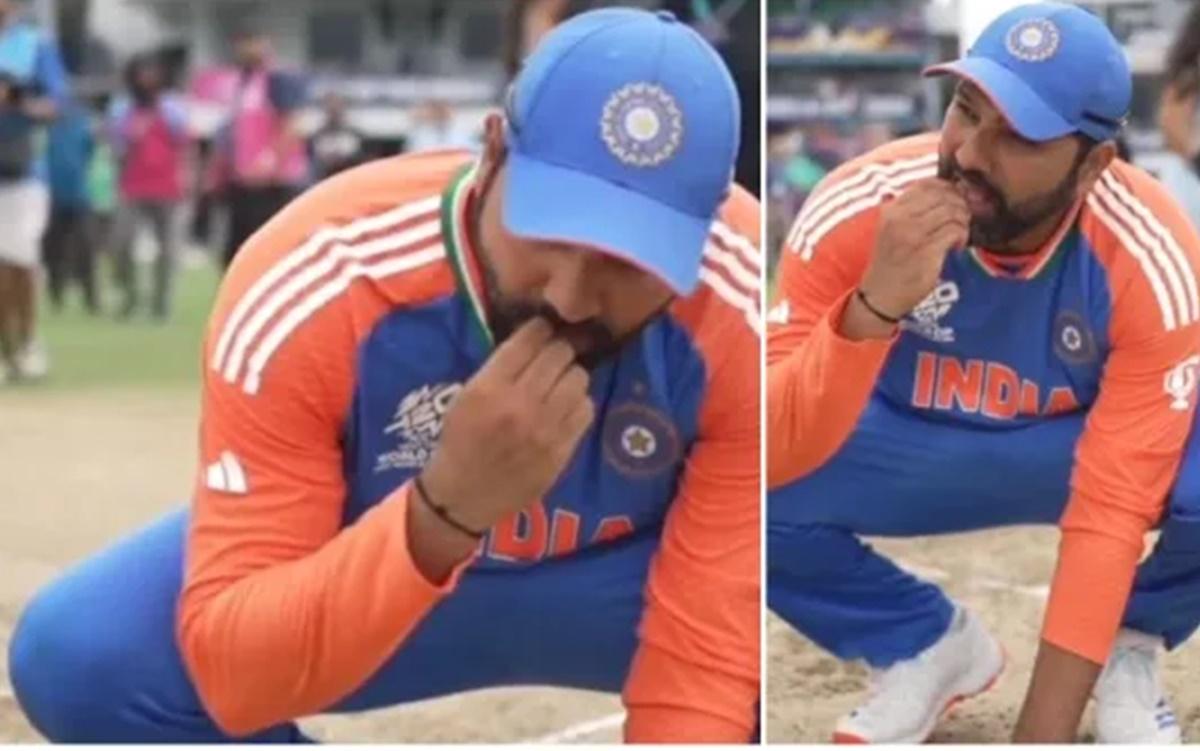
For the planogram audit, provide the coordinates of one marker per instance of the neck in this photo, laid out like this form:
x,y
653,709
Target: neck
x,y
1034,239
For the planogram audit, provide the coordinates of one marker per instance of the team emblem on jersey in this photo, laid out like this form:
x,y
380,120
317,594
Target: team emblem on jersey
x,y
1073,340
926,319
1033,40
639,440
1180,383
642,125
417,423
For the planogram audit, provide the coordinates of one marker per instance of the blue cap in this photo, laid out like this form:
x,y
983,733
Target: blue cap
x,y
1053,69
622,135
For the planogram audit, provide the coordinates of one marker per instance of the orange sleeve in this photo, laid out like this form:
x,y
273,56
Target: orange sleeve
x,y
1128,456
273,583
818,382
695,677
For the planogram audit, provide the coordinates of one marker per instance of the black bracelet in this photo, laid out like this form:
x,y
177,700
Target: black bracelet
x,y
442,512
862,296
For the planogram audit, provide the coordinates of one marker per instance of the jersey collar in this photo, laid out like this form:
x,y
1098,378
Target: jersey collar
x,y
458,202
1027,266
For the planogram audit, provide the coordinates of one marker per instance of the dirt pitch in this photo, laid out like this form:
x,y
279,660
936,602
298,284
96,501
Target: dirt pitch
x,y
79,470
1002,575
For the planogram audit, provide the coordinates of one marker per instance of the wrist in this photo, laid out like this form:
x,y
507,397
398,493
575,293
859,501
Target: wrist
x,y
858,322
449,516
436,548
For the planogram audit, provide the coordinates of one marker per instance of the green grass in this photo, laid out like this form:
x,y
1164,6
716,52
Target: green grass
x,y
101,352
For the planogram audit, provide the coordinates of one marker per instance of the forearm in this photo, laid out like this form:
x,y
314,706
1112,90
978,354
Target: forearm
x,y
669,700
292,638
816,395
1058,693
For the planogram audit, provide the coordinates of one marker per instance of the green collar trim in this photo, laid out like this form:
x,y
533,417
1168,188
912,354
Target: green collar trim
x,y
454,237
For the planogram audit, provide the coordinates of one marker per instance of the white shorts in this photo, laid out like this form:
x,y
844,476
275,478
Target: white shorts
x,y
24,212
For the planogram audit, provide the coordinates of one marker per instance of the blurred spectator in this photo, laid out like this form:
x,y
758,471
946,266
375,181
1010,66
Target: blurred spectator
x,y
66,249
337,146
1177,115
261,159
433,127
148,130
102,194
528,21
32,86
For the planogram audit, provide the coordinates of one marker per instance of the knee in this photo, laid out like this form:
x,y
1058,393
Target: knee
x,y
64,671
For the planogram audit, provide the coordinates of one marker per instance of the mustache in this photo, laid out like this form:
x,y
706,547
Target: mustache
x,y
949,169
602,343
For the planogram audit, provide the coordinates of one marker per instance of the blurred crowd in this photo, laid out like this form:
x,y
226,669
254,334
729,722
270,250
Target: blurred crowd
x,y
102,195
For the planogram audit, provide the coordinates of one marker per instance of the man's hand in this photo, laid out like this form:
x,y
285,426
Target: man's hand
x,y
511,430
1058,693
916,231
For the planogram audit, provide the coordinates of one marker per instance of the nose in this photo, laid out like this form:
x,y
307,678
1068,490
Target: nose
x,y
970,153
571,289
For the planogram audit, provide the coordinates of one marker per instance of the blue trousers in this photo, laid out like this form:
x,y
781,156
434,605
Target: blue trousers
x,y
899,475
94,656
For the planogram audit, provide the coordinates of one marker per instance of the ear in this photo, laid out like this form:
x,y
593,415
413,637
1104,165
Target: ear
x,y
495,145
1094,164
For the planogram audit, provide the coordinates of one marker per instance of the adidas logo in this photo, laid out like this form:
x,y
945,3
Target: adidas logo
x,y
226,475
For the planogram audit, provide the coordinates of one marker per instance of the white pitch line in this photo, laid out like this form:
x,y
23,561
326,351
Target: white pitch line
x,y
581,730
1039,591
924,572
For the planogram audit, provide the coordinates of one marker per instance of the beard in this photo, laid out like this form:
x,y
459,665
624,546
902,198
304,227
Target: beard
x,y
1009,221
594,343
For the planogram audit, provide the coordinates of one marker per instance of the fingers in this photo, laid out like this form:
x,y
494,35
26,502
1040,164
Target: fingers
x,y
546,368
577,422
947,237
515,354
929,195
568,392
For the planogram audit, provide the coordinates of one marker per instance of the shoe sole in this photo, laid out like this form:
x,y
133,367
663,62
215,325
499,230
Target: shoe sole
x,y
850,739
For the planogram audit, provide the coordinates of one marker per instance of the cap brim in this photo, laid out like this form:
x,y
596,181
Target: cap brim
x,y
558,204
1025,111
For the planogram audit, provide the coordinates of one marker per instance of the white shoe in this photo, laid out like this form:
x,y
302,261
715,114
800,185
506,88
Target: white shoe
x,y
1130,704
908,698
32,362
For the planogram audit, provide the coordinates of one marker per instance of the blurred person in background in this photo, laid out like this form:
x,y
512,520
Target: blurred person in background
x,y
66,250
148,131
1177,114
528,21
262,159
101,190
434,128
33,83
337,145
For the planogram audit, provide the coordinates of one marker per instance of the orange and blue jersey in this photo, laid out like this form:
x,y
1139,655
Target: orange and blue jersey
x,y
339,339
1100,329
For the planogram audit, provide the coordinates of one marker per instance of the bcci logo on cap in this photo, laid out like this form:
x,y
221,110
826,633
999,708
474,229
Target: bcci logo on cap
x,y
1033,40
1180,383
642,125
